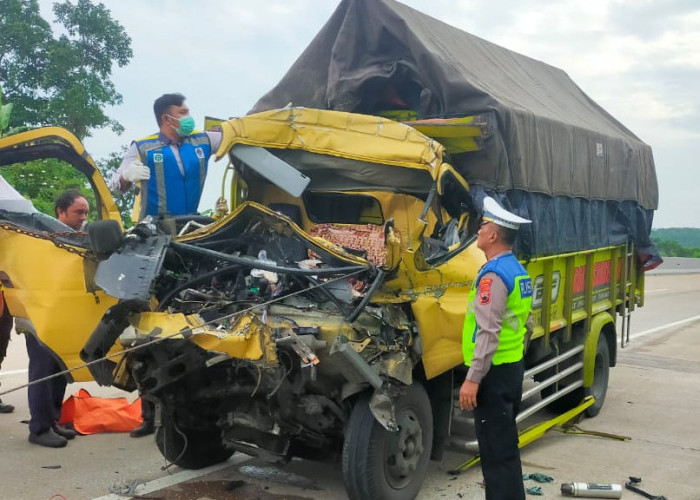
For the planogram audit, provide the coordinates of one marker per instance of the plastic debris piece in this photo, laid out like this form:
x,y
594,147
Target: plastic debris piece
x,y
128,489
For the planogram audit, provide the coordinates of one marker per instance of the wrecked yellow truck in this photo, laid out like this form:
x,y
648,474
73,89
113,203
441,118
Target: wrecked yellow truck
x,y
321,318
310,321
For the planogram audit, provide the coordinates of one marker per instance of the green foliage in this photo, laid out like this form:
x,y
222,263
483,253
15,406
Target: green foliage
x,y
677,241
61,80
125,202
685,236
675,249
5,114
42,181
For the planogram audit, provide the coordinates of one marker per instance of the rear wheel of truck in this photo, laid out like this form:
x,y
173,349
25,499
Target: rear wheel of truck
x,y
598,389
601,374
385,465
190,448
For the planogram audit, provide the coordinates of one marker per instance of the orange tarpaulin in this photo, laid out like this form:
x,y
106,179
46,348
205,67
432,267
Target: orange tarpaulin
x,y
91,415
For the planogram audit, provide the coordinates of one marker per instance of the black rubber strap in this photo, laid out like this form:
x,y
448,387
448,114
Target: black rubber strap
x,y
636,480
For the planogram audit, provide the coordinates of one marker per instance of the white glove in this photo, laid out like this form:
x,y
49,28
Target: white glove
x,y
135,172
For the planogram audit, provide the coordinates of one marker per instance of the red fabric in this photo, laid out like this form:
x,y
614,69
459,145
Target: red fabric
x,y
91,415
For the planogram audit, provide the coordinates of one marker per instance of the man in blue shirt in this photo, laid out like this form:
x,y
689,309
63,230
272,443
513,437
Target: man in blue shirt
x,y
170,166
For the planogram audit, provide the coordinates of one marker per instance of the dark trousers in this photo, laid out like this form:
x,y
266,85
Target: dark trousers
x,y
497,405
148,410
5,331
45,398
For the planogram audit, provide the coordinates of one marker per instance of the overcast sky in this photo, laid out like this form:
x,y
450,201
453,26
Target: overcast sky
x,y
639,59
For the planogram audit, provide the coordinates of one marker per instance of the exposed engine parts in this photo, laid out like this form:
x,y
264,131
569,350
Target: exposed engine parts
x,y
265,333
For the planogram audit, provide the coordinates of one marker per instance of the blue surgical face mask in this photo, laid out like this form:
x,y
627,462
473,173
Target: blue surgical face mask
x,y
186,125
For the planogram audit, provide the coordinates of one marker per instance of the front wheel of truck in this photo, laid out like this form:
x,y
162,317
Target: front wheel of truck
x,y
190,448
385,465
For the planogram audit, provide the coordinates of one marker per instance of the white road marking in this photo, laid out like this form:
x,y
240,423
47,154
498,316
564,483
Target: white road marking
x,y
177,478
13,372
657,290
664,327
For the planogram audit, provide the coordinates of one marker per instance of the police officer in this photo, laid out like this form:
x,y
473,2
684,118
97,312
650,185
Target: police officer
x,y
495,326
170,166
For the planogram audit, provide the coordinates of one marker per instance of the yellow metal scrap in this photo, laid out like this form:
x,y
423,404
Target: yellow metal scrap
x,y
251,340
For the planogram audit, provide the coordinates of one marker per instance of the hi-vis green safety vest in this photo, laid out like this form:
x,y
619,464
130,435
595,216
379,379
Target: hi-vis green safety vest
x,y
519,285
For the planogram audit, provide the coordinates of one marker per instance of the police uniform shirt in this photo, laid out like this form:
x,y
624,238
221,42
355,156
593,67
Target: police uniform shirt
x,y
489,308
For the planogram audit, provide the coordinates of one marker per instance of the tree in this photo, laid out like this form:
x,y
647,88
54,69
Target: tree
x,y
125,202
669,248
61,80
5,115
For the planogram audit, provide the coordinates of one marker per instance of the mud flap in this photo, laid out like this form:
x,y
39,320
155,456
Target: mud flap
x,y
382,407
113,323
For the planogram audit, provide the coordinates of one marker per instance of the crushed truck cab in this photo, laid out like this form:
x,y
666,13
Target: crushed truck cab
x,y
271,329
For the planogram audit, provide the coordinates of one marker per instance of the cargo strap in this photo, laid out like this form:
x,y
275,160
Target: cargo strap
x,y
570,428
636,480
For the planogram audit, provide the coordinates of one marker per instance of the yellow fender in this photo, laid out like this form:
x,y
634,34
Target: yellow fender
x,y
591,344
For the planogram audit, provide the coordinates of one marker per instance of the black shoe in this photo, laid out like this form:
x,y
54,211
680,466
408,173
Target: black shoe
x,y
144,429
64,431
5,408
49,439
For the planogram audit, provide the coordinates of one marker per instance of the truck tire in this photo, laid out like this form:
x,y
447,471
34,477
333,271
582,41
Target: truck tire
x,y
601,374
598,389
384,465
191,448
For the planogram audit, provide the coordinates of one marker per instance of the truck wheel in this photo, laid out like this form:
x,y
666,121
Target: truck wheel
x,y
601,374
385,465
191,448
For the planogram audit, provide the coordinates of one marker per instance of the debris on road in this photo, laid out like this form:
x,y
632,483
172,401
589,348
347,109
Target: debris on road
x,y
538,477
278,476
126,489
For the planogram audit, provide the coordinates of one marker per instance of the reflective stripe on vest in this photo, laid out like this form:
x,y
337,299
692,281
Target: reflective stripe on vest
x,y
518,305
169,190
